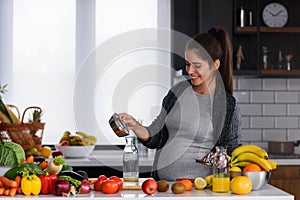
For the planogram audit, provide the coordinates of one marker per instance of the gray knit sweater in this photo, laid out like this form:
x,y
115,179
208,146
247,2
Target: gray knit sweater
x,y
226,127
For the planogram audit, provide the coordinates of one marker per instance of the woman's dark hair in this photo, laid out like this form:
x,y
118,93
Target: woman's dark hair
x,y
217,45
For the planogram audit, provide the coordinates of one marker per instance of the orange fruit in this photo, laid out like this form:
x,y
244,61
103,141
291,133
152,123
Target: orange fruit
x,y
187,184
241,185
252,168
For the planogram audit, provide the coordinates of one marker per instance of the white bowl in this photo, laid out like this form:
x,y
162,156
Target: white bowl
x,y
75,151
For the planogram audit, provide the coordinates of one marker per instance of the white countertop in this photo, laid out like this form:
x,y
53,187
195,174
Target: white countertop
x,y
268,192
114,158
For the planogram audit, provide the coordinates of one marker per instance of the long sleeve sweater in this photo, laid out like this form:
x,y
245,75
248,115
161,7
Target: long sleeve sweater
x,y
226,121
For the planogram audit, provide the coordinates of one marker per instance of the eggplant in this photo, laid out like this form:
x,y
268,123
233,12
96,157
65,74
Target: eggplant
x,y
38,159
84,174
72,174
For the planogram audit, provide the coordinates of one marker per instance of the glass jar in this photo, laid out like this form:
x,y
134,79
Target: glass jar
x,y
130,160
264,60
221,176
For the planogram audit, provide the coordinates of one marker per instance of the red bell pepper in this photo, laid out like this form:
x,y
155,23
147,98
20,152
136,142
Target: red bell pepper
x,y
48,181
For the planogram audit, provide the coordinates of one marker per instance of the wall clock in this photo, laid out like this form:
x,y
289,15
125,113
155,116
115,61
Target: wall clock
x,y
275,15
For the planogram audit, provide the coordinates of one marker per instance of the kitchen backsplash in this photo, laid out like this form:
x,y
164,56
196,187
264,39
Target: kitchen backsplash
x,y
270,109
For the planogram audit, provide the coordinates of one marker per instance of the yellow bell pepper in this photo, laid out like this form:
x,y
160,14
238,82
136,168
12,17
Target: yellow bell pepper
x,y
31,184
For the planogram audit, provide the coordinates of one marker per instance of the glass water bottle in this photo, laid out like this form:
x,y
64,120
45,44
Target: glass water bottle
x,y
221,176
130,160
264,62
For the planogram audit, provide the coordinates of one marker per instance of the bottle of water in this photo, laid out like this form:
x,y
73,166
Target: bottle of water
x,y
130,160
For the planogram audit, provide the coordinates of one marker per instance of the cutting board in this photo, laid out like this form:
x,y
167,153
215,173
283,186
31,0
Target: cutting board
x,y
133,185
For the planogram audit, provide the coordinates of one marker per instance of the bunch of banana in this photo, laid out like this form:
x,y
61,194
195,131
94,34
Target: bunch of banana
x,y
249,153
87,139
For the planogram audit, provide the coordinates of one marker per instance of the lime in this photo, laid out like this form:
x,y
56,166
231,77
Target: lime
x,y
200,183
31,151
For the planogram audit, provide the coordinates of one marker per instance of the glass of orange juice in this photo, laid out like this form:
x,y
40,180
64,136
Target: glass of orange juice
x,y
221,177
220,184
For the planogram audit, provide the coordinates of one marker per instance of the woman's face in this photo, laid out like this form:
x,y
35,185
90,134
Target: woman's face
x,y
201,74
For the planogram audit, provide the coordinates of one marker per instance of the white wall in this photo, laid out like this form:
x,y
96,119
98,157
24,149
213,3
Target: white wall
x,y
270,109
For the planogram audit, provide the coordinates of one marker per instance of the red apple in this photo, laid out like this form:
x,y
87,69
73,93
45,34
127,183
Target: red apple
x,y
149,186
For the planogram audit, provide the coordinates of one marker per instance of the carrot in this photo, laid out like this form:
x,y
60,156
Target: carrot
x,y
30,159
13,191
44,164
8,182
1,185
7,191
19,190
23,162
18,180
2,190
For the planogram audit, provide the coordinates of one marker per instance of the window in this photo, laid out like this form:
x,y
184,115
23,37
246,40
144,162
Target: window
x,y
50,41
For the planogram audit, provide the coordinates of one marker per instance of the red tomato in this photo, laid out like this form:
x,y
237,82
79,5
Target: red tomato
x,y
98,185
110,187
99,182
102,177
118,180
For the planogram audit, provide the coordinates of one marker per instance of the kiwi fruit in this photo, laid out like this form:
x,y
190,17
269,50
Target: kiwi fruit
x,y
178,188
163,186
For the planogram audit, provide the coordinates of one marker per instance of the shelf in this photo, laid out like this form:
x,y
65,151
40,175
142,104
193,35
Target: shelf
x,y
246,29
262,29
245,72
280,30
273,73
280,73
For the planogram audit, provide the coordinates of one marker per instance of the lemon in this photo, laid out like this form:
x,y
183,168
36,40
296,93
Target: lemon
x,y
208,179
200,183
45,151
235,169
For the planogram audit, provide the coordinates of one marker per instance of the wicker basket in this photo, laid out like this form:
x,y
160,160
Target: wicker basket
x,y
27,134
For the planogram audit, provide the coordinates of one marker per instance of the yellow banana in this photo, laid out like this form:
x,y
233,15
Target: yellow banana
x,y
254,158
273,164
87,139
249,148
240,164
82,134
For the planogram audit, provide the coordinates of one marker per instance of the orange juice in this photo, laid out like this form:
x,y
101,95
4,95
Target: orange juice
x,y
221,184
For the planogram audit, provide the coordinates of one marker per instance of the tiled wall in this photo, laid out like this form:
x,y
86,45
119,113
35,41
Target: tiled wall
x,y
270,109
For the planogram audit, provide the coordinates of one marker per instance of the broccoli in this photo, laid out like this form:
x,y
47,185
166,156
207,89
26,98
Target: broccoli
x,y
30,168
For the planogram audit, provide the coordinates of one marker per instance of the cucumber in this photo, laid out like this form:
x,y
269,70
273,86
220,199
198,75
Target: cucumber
x,y
12,173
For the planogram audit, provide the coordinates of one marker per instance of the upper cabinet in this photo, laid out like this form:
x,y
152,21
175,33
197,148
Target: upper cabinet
x,y
267,32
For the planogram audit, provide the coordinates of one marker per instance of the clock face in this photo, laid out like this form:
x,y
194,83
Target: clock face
x,y
275,15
